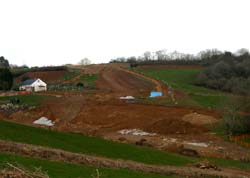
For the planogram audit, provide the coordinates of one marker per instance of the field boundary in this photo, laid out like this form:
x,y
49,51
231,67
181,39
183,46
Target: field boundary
x,y
100,162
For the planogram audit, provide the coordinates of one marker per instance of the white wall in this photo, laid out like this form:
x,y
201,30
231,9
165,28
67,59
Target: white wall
x,y
38,85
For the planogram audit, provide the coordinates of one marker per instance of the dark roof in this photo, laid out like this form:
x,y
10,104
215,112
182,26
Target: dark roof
x,y
28,82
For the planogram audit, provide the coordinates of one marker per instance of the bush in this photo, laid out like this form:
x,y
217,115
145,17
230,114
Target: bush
x,y
237,125
231,76
79,85
6,79
235,122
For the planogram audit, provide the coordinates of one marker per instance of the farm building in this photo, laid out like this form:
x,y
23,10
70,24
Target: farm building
x,y
35,85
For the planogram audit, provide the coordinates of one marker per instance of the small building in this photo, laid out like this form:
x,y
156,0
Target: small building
x,y
33,85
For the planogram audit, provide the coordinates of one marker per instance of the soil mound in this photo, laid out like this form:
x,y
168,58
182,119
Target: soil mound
x,y
175,126
199,119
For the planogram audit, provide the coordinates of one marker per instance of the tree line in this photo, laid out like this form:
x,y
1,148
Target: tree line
x,y
20,70
6,78
205,58
227,72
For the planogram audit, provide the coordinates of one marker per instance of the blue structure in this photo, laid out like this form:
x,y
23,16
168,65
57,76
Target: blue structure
x,y
155,94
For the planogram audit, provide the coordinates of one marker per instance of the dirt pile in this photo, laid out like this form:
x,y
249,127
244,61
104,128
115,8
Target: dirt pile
x,y
199,119
174,126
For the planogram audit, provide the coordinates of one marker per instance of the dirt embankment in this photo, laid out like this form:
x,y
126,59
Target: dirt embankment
x,y
122,83
74,158
46,76
114,115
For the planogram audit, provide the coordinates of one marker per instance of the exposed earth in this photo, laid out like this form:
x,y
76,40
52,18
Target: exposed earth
x,y
101,112
48,76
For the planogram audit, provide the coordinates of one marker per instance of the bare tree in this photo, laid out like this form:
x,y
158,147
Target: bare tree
x,y
161,55
85,61
147,55
242,51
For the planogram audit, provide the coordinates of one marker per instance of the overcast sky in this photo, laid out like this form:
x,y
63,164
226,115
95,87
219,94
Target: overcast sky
x,y
53,32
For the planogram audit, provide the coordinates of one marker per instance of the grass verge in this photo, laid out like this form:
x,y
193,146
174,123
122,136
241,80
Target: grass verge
x,y
182,80
30,99
89,79
100,147
64,170
69,76
88,145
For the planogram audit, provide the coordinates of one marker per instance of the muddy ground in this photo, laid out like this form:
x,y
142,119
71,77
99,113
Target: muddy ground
x,y
100,112
48,76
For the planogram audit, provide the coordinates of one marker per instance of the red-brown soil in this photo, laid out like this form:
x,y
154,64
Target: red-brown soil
x,y
101,112
122,83
46,76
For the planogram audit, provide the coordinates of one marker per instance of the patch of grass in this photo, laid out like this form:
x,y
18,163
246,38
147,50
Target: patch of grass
x,y
69,75
89,79
213,101
230,163
30,99
88,145
247,140
65,170
183,80
100,147
219,129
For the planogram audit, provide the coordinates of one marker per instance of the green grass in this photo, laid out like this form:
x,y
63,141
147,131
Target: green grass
x,y
247,140
100,147
212,101
64,170
230,163
183,80
88,145
30,99
89,79
69,76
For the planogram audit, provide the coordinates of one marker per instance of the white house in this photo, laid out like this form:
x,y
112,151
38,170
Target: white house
x,y
35,85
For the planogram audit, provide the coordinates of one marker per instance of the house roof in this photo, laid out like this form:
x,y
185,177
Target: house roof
x,y
28,82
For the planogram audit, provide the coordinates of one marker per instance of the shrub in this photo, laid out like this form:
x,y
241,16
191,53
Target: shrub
x,y
237,124
234,121
79,85
6,79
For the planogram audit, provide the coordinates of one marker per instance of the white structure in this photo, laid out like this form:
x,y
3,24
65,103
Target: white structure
x,y
35,85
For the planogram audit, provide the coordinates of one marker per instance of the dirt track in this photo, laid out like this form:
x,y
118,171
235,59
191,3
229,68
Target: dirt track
x,y
59,155
122,83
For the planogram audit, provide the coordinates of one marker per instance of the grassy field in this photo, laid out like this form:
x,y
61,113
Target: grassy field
x,y
100,147
89,79
31,100
182,80
247,140
69,76
64,170
88,145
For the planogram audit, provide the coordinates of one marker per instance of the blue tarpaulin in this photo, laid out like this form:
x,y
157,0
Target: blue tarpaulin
x,y
155,94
